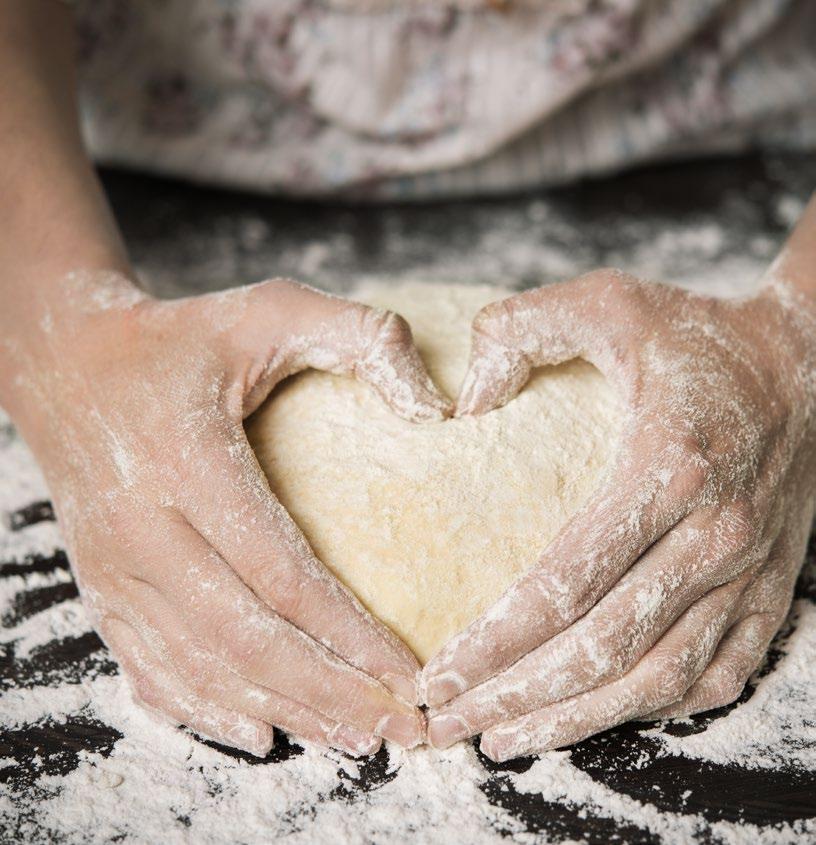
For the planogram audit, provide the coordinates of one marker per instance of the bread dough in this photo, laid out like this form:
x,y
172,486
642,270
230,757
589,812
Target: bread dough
x,y
429,523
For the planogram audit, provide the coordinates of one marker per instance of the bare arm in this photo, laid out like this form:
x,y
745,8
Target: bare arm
x,y
54,217
197,578
796,264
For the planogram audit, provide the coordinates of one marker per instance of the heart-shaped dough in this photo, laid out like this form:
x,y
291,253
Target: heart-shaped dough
x,y
429,523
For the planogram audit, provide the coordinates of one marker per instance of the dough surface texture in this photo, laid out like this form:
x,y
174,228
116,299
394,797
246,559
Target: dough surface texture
x,y
429,523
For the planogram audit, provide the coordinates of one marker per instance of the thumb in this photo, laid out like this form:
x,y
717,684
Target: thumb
x,y
293,327
389,361
510,337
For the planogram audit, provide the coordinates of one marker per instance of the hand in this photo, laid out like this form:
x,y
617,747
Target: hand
x,y
195,576
661,595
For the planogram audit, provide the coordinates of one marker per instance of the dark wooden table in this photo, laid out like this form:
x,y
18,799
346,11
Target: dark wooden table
x,y
186,239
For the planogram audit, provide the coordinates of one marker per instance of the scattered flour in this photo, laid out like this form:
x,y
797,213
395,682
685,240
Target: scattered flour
x,y
159,783
155,783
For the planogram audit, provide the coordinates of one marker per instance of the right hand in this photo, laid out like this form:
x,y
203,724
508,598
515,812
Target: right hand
x,y
194,574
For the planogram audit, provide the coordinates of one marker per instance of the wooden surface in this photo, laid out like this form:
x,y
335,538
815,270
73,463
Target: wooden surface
x,y
188,239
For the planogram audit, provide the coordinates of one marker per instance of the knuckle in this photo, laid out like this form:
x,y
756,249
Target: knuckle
x,y
613,282
738,526
729,686
689,481
199,681
384,328
608,277
511,703
237,651
283,588
278,284
567,599
493,319
261,294
691,450
577,603
693,468
229,640
608,654
289,602
673,676
146,692
674,684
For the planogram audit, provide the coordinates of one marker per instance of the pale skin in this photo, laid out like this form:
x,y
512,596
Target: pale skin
x,y
658,599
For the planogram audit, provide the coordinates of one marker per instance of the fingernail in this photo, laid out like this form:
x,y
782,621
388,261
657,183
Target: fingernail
x,y
467,394
443,687
406,731
504,744
405,688
463,407
444,731
496,751
431,406
468,406
431,414
354,742
262,749
251,740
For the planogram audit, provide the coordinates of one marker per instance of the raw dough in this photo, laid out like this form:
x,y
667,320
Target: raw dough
x,y
429,523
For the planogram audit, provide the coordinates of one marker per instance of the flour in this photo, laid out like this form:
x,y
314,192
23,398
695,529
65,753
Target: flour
x,y
151,782
145,781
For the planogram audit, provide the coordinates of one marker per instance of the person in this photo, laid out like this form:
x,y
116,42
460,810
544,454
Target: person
x,y
660,596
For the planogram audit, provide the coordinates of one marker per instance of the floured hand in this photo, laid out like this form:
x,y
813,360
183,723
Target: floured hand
x,y
196,577
661,595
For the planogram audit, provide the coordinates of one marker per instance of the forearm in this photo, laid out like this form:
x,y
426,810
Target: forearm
x,y
54,218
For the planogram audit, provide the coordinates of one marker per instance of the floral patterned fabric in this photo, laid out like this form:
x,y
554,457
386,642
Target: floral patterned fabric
x,y
386,99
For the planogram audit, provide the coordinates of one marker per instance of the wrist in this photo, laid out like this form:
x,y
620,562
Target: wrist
x,y
74,324
791,278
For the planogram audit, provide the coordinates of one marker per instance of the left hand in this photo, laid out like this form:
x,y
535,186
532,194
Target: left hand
x,y
661,595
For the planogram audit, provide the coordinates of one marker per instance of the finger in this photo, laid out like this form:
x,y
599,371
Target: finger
x,y
314,329
662,675
609,640
230,504
159,690
256,643
539,327
764,606
599,544
740,653
202,674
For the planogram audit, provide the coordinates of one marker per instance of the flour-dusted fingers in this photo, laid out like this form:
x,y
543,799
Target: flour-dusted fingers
x,y
581,565
688,373
161,691
201,673
661,676
134,398
230,504
260,645
609,640
283,327
547,325
740,653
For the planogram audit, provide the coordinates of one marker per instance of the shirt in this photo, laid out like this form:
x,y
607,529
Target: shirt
x,y
378,99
